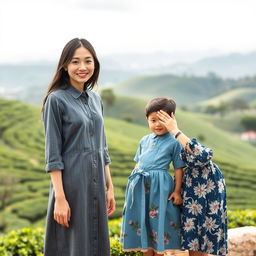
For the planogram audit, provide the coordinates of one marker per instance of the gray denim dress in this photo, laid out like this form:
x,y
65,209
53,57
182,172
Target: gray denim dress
x,y
76,144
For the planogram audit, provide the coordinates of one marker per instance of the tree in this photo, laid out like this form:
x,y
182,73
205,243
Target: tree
x,y
108,97
211,109
223,107
128,118
239,104
249,122
201,137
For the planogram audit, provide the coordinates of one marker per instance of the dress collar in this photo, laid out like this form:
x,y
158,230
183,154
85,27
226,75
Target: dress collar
x,y
76,93
160,136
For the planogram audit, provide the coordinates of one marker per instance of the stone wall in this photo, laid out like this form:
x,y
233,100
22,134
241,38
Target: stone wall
x,y
242,241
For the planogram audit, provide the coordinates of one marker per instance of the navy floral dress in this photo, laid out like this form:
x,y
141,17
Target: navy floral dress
x,y
204,211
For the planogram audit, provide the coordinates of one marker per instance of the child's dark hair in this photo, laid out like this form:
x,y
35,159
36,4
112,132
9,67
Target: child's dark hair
x,y
156,104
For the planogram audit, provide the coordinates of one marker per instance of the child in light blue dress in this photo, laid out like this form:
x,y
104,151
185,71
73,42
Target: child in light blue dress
x,y
151,215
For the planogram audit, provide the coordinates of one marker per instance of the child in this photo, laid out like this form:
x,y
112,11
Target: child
x,y
151,216
204,210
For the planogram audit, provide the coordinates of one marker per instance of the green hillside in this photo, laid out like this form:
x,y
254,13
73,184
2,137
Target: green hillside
x,y
127,107
247,94
22,161
231,121
184,89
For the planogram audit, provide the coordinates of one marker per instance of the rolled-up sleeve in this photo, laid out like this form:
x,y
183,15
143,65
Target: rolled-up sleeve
x,y
201,156
52,117
107,159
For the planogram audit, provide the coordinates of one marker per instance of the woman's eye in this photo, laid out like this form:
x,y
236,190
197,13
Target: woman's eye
x,y
74,62
88,61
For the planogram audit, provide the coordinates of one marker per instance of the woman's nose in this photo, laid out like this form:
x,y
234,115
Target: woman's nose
x,y
82,66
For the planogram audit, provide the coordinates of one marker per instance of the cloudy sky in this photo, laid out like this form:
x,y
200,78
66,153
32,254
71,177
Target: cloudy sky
x,y
32,30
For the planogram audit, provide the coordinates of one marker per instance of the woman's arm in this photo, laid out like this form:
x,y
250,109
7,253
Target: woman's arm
x,y
171,125
199,155
52,117
111,204
62,212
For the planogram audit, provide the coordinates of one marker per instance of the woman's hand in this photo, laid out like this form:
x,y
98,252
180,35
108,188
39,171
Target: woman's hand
x,y
168,121
62,212
111,203
177,199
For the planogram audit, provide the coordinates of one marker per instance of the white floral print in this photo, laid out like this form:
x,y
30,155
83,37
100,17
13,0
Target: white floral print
x,y
210,186
220,186
200,190
194,245
214,207
204,212
189,225
194,207
210,224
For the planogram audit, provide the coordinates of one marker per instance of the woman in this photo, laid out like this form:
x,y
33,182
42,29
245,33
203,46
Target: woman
x,y
204,211
81,193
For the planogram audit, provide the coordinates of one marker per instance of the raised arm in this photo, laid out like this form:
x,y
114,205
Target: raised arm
x,y
194,154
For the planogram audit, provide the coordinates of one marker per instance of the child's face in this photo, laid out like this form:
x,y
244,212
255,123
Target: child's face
x,y
155,126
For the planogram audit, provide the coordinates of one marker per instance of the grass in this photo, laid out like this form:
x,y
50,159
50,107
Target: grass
x,y
22,156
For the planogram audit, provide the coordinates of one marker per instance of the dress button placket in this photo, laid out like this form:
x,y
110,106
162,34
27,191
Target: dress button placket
x,y
95,203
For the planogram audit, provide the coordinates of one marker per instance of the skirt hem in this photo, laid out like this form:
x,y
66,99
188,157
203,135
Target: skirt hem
x,y
145,250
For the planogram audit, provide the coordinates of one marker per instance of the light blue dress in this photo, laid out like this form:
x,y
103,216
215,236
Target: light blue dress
x,y
149,219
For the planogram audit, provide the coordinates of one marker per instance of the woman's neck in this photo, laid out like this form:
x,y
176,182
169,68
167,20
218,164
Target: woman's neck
x,y
79,87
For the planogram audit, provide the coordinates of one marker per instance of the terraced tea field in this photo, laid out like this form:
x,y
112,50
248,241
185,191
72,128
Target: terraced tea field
x,y
22,161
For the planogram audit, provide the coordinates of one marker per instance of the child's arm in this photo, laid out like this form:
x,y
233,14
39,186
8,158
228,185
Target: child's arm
x,y
176,195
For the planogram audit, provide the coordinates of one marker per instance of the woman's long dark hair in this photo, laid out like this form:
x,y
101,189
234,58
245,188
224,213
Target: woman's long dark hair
x,y
61,77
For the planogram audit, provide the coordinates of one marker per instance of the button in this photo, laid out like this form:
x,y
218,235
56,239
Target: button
x,y
95,198
94,180
95,238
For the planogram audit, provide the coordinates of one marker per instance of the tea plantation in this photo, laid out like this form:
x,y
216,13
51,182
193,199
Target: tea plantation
x,y
24,185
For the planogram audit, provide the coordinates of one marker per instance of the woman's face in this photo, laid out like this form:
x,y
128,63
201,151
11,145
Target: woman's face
x,y
81,67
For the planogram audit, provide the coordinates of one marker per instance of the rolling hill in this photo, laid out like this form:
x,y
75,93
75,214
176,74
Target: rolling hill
x,y
247,94
185,90
22,161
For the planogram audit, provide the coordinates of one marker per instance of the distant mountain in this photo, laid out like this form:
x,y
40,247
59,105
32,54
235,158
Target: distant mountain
x,y
232,65
227,66
15,78
133,74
